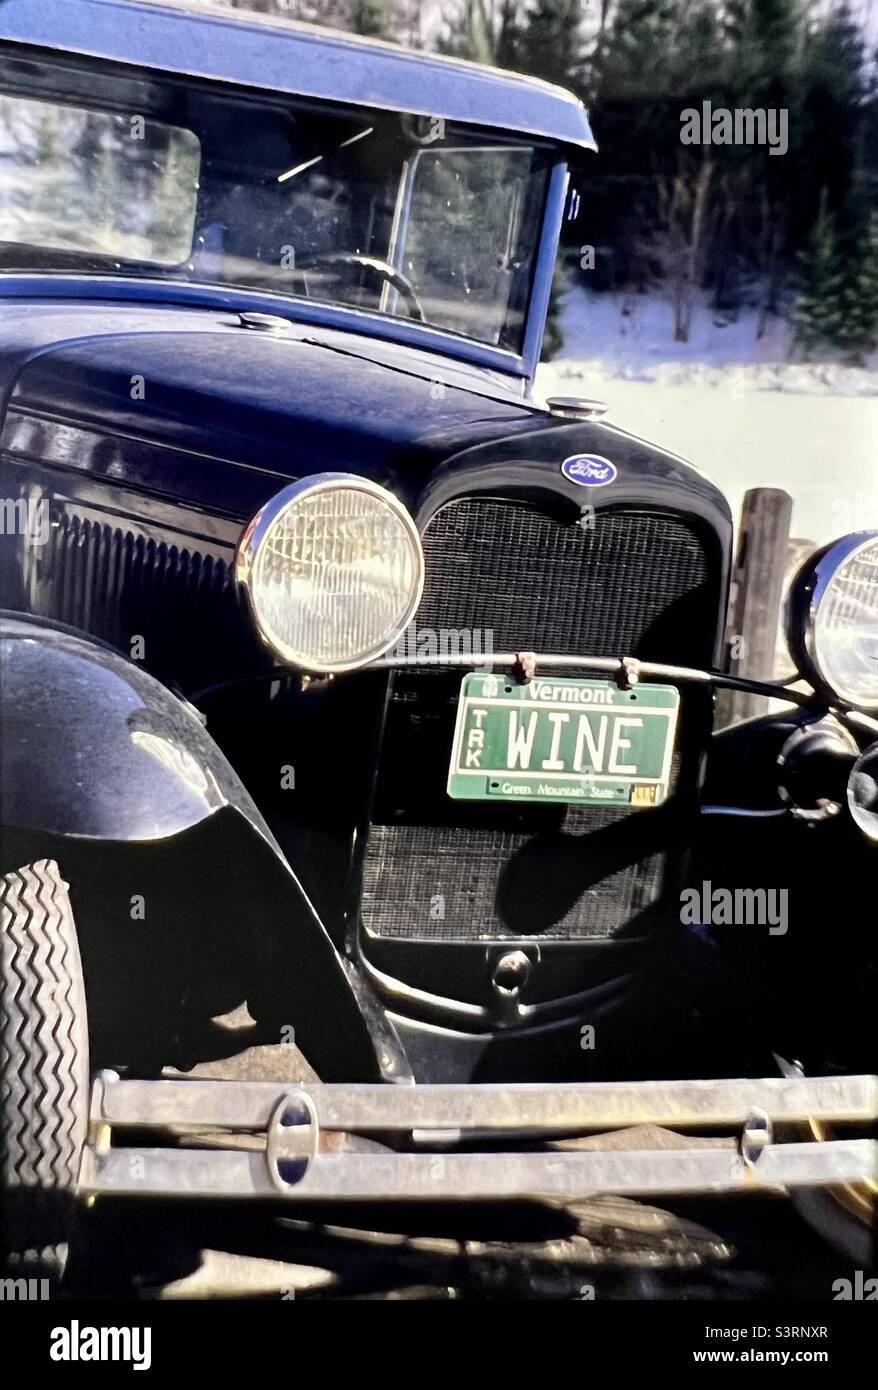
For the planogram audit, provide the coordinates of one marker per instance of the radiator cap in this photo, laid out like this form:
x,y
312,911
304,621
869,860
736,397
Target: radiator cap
x,y
577,407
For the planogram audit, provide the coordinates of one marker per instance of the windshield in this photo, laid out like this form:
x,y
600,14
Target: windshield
x,y
391,214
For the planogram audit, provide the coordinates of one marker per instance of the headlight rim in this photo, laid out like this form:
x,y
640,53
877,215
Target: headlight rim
x,y
806,594
248,549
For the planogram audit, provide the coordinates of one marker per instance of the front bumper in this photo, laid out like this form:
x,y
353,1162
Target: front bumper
x,y
473,1143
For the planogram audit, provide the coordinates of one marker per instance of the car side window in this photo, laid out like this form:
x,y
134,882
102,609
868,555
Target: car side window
x,y
96,182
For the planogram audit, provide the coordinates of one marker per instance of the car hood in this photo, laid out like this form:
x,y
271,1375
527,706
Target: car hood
x,y
286,403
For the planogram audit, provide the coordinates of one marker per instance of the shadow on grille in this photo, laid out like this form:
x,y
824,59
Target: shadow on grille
x,y
449,884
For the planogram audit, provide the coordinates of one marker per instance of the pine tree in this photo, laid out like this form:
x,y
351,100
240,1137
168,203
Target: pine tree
x,y
509,36
859,328
372,17
834,133
652,51
818,313
551,45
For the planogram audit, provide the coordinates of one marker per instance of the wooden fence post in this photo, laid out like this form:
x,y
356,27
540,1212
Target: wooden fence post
x,y
757,588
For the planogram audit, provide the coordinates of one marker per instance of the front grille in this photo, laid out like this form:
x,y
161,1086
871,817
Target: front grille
x,y
450,883
628,584
637,583
175,599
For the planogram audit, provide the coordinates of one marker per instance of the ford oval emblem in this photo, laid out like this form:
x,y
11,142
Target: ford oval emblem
x,y
589,470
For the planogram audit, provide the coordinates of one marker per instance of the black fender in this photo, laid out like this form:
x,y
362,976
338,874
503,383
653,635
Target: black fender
x,y
94,746
110,772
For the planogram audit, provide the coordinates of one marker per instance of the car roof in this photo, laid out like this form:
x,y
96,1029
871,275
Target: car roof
x,y
275,54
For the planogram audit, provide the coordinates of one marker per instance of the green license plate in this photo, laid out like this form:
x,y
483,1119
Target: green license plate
x,y
562,740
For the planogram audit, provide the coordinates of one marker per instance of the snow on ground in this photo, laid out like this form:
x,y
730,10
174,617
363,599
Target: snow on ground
x,y
732,405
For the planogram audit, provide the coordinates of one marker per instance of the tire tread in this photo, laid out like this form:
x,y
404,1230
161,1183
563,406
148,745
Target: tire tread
x,y
44,1078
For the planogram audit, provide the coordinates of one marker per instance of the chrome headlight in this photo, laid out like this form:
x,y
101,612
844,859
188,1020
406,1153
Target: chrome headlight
x,y
832,619
334,570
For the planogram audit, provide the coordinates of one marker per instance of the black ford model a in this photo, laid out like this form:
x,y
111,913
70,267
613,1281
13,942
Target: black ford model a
x,y
341,680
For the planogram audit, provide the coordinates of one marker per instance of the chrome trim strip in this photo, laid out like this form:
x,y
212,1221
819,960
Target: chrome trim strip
x,y
574,1106
468,1176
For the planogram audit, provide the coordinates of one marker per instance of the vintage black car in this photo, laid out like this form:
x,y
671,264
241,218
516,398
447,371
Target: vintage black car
x,y
342,680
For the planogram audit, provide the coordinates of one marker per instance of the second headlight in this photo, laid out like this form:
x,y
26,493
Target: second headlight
x,y
832,619
333,569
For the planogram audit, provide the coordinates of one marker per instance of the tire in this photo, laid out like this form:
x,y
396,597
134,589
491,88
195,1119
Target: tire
x,y
44,1075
